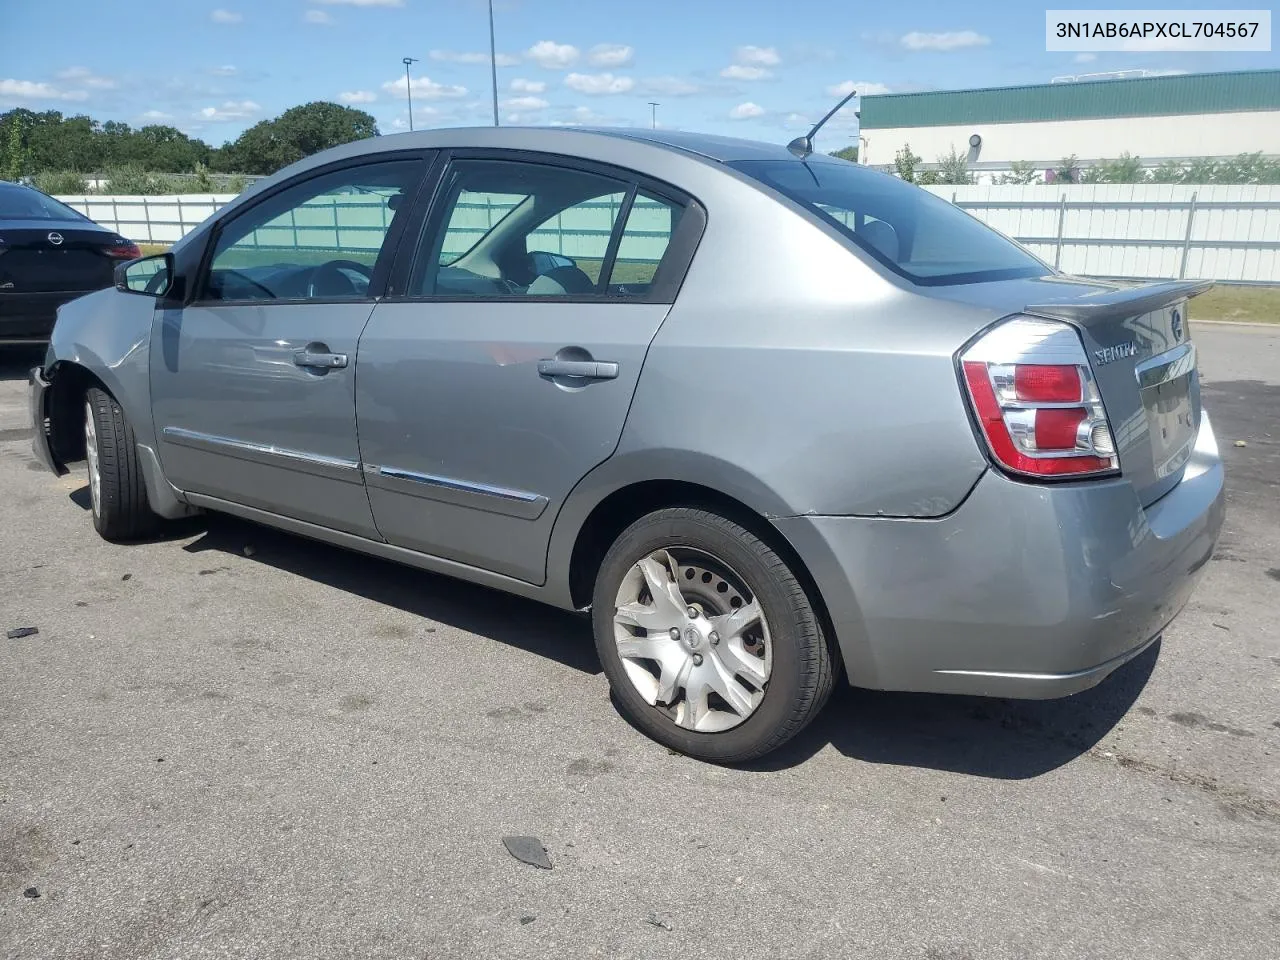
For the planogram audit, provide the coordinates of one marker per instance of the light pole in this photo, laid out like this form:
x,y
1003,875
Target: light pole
x,y
493,64
653,114
408,86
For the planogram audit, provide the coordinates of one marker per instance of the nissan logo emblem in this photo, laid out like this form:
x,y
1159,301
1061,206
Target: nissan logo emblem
x,y
55,238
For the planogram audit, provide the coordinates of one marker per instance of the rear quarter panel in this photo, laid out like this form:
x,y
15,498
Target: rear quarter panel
x,y
815,380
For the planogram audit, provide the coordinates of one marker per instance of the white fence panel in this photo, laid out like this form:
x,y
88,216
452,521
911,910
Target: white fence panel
x,y
1143,231
1140,230
145,219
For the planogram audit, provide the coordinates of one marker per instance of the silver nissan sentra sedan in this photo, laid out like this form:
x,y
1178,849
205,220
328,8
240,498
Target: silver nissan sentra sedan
x,y
772,417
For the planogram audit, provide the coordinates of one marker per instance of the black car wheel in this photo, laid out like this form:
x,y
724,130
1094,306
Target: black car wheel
x,y
117,492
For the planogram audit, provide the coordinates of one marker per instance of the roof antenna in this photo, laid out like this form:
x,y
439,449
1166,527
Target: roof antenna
x,y
803,146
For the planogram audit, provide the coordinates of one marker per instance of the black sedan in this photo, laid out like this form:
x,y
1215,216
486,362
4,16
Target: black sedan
x,y
49,254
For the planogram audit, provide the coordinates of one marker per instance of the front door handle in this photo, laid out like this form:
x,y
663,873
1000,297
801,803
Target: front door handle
x,y
320,360
583,369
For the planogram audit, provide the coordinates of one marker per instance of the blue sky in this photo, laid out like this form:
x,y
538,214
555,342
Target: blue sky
x,y
743,67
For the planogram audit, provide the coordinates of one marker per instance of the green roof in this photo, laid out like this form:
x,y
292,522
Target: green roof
x,y
1084,100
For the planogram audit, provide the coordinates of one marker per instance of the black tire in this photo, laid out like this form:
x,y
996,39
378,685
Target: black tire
x,y
804,663
120,511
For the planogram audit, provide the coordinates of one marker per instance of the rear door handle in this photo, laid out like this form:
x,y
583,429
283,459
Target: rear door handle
x,y
583,369
321,361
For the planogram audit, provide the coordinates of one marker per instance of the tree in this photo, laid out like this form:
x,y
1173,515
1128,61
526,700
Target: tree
x,y
904,162
1126,169
15,128
270,145
954,169
1171,171
1201,170
1068,171
849,153
1020,172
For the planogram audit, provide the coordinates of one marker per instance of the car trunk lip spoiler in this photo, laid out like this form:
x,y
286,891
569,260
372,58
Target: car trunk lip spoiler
x,y
1120,304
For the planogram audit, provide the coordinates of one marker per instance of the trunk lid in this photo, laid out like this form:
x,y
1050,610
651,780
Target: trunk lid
x,y
31,262
1138,339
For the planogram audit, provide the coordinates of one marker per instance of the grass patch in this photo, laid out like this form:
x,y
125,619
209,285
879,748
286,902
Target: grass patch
x,y
1241,303
151,249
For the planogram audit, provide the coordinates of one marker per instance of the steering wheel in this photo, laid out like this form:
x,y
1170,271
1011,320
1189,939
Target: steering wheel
x,y
323,278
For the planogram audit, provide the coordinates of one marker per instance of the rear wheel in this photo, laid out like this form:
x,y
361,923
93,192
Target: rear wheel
x,y
709,641
117,494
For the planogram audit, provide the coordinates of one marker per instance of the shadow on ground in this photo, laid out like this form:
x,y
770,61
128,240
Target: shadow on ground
x,y
1004,739
980,736
555,634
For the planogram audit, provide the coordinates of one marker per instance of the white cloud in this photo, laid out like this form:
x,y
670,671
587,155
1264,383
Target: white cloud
x,y
598,83
955,40
552,55
1085,57
746,111
85,76
525,103
226,16
521,85
224,71
154,116
738,71
22,90
757,56
230,110
357,96
454,56
363,3
670,86
610,55
584,116
426,88
865,88
319,17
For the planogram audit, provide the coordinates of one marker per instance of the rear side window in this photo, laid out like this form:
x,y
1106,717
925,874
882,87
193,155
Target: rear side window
x,y
645,238
917,235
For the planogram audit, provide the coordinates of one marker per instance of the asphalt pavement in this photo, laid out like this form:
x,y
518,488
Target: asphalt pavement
x,y
236,743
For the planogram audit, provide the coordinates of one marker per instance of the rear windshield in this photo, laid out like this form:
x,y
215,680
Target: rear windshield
x,y
20,203
917,235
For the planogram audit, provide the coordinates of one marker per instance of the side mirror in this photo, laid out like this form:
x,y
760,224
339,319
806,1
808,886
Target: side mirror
x,y
150,276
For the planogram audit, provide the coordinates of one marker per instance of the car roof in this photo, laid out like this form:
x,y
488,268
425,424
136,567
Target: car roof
x,y
574,139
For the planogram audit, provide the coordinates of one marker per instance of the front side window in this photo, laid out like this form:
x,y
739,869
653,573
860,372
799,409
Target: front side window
x,y
919,236
516,229
316,240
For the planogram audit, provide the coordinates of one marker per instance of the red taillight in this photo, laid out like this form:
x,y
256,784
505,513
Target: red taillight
x,y
1056,427
128,250
1047,383
1040,416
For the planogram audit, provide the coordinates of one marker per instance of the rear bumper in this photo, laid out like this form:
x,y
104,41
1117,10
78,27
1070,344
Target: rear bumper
x,y
29,317
1027,591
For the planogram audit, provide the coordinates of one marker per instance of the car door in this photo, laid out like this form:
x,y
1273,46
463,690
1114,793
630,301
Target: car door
x,y
500,368
253,380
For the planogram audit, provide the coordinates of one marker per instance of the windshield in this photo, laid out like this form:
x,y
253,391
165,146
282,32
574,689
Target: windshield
x,y
20,203
917,235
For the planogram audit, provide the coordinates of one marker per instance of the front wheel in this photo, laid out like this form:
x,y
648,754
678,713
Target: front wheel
x,y
117,494
709,641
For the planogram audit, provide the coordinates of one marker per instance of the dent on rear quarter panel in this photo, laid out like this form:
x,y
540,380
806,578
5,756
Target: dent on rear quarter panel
x,y
109,334
789,358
